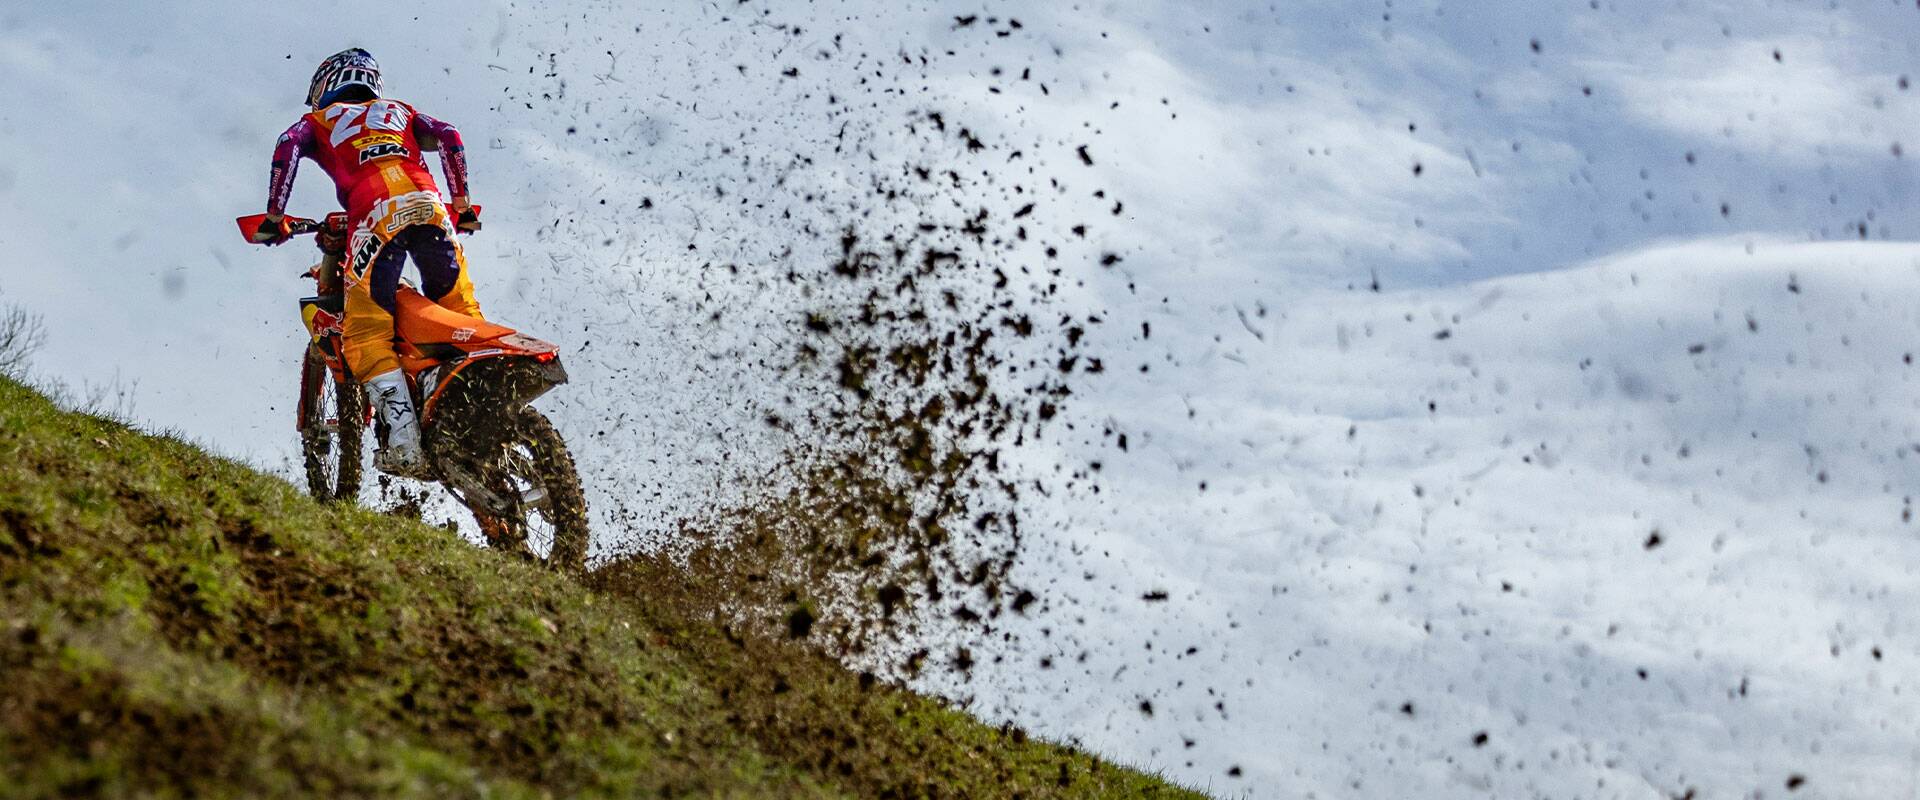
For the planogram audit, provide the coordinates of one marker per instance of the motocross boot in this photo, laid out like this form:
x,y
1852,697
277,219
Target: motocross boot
x,y
402,455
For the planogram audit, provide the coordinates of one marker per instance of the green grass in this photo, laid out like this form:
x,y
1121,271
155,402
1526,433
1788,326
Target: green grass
x,y
177,625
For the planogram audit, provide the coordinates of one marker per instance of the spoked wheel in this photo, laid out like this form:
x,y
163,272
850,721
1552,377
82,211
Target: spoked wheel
x,y
538,504
332,419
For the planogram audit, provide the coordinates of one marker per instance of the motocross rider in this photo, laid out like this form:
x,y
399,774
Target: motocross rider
x,y
371,147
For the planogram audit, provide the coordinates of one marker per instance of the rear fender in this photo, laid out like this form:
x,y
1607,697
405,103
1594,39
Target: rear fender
x,y
502,376
472,402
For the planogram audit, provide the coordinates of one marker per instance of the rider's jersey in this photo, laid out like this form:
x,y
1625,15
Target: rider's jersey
x,y
372,152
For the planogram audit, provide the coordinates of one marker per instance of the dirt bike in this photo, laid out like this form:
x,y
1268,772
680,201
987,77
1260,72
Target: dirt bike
x,y
472,381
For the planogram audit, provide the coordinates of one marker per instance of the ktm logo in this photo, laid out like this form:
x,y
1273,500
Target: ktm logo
x,y
463,334
365,244
383,150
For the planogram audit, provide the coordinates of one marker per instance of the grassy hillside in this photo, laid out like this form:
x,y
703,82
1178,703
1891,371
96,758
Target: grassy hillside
x,y
172,624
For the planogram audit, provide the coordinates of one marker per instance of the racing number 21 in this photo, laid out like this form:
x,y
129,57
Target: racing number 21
x,y
380,115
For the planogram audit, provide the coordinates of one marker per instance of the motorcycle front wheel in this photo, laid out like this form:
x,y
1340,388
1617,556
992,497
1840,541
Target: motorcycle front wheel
x,y
332,421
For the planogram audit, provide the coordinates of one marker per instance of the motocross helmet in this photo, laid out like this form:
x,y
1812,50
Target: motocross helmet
x,y
347,68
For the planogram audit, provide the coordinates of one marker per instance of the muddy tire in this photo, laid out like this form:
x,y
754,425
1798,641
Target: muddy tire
x,y
331,428
536,461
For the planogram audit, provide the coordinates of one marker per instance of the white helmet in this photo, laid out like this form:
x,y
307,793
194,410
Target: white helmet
x,y
354,67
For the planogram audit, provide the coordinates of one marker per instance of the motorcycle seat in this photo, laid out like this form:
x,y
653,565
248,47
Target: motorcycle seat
x,y
423,322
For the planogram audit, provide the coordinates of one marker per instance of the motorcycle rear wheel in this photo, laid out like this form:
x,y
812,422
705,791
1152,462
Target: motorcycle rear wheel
x,y
535,467
331,429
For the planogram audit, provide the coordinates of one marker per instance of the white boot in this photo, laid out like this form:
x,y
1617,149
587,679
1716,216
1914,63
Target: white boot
x,y
402,456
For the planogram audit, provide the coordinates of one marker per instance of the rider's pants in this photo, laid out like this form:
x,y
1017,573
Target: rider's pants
x,y
371,287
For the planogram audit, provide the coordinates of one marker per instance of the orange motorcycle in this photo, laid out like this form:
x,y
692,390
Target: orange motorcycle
x,y
472,381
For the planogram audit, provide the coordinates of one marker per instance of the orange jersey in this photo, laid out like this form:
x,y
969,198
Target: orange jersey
x,y
372,151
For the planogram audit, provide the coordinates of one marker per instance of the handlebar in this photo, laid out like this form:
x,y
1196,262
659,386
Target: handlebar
x,y
298,226
302,226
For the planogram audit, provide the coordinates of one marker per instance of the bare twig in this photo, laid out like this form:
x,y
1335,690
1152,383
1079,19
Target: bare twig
x,y
21,335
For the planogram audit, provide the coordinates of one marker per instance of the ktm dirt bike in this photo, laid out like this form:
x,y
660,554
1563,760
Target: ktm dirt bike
x,y
472,381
